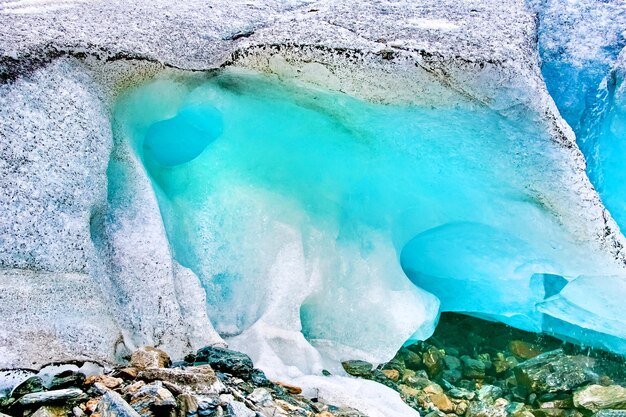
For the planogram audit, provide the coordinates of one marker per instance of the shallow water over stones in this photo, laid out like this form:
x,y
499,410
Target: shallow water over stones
x,y
478,368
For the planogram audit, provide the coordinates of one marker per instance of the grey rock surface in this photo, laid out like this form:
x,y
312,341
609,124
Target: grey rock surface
x,y
62,395
113,405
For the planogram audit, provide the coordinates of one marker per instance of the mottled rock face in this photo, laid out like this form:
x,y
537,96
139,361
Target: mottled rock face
x,y
554,372
225,360
598,397
149,357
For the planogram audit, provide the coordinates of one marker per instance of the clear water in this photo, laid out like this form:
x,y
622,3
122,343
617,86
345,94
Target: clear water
x,y
361,211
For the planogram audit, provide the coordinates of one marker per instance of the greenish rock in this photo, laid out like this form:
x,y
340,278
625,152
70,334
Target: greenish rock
x,y
598,397
473,368
45,397
50,411
554,372
482,409
411,359
452,375
357,367
489,393
452,362
610,413
225,360
66,379
461,394
432,359
32,384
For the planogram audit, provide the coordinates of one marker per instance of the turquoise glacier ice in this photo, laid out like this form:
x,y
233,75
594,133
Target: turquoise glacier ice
x,y
352,224
580,44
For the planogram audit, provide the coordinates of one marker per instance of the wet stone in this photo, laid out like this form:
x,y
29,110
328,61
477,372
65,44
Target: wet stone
x,y
32,384
357,367
432,359
152,399
149,357
67,379
554,372
598,397
57,396
473,368
113,405
225,360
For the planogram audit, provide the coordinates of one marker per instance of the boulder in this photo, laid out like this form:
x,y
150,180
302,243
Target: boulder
x,y
553,372
411,359
610,413
32,384
198,379
598,397
482,409
225,360
473,368
149,357
239,409
50,411
187,405
357,367
63,395
440,400
113,405
153,399
392,374
106,380
66,379
489,393
432,358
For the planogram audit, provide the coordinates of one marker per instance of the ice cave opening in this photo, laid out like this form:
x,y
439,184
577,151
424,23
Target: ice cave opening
x,y
354,224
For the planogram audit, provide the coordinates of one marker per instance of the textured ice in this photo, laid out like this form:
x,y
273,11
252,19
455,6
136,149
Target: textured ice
x,y
579,43
323,227
293,256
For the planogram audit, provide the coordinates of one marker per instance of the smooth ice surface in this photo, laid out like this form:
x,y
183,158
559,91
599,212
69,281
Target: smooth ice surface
x,y
305,217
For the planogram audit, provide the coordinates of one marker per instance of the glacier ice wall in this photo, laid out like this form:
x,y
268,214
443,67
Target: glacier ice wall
x,y
323,227
458,56
579,43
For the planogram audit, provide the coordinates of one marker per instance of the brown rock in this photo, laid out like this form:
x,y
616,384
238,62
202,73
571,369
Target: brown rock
x,y
133,388
524,350
126,373
432,358
407,391
325,414
106,380
291,389
460,408
392,374
91,405
440,400
149,357
598,397
199,379
187,404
